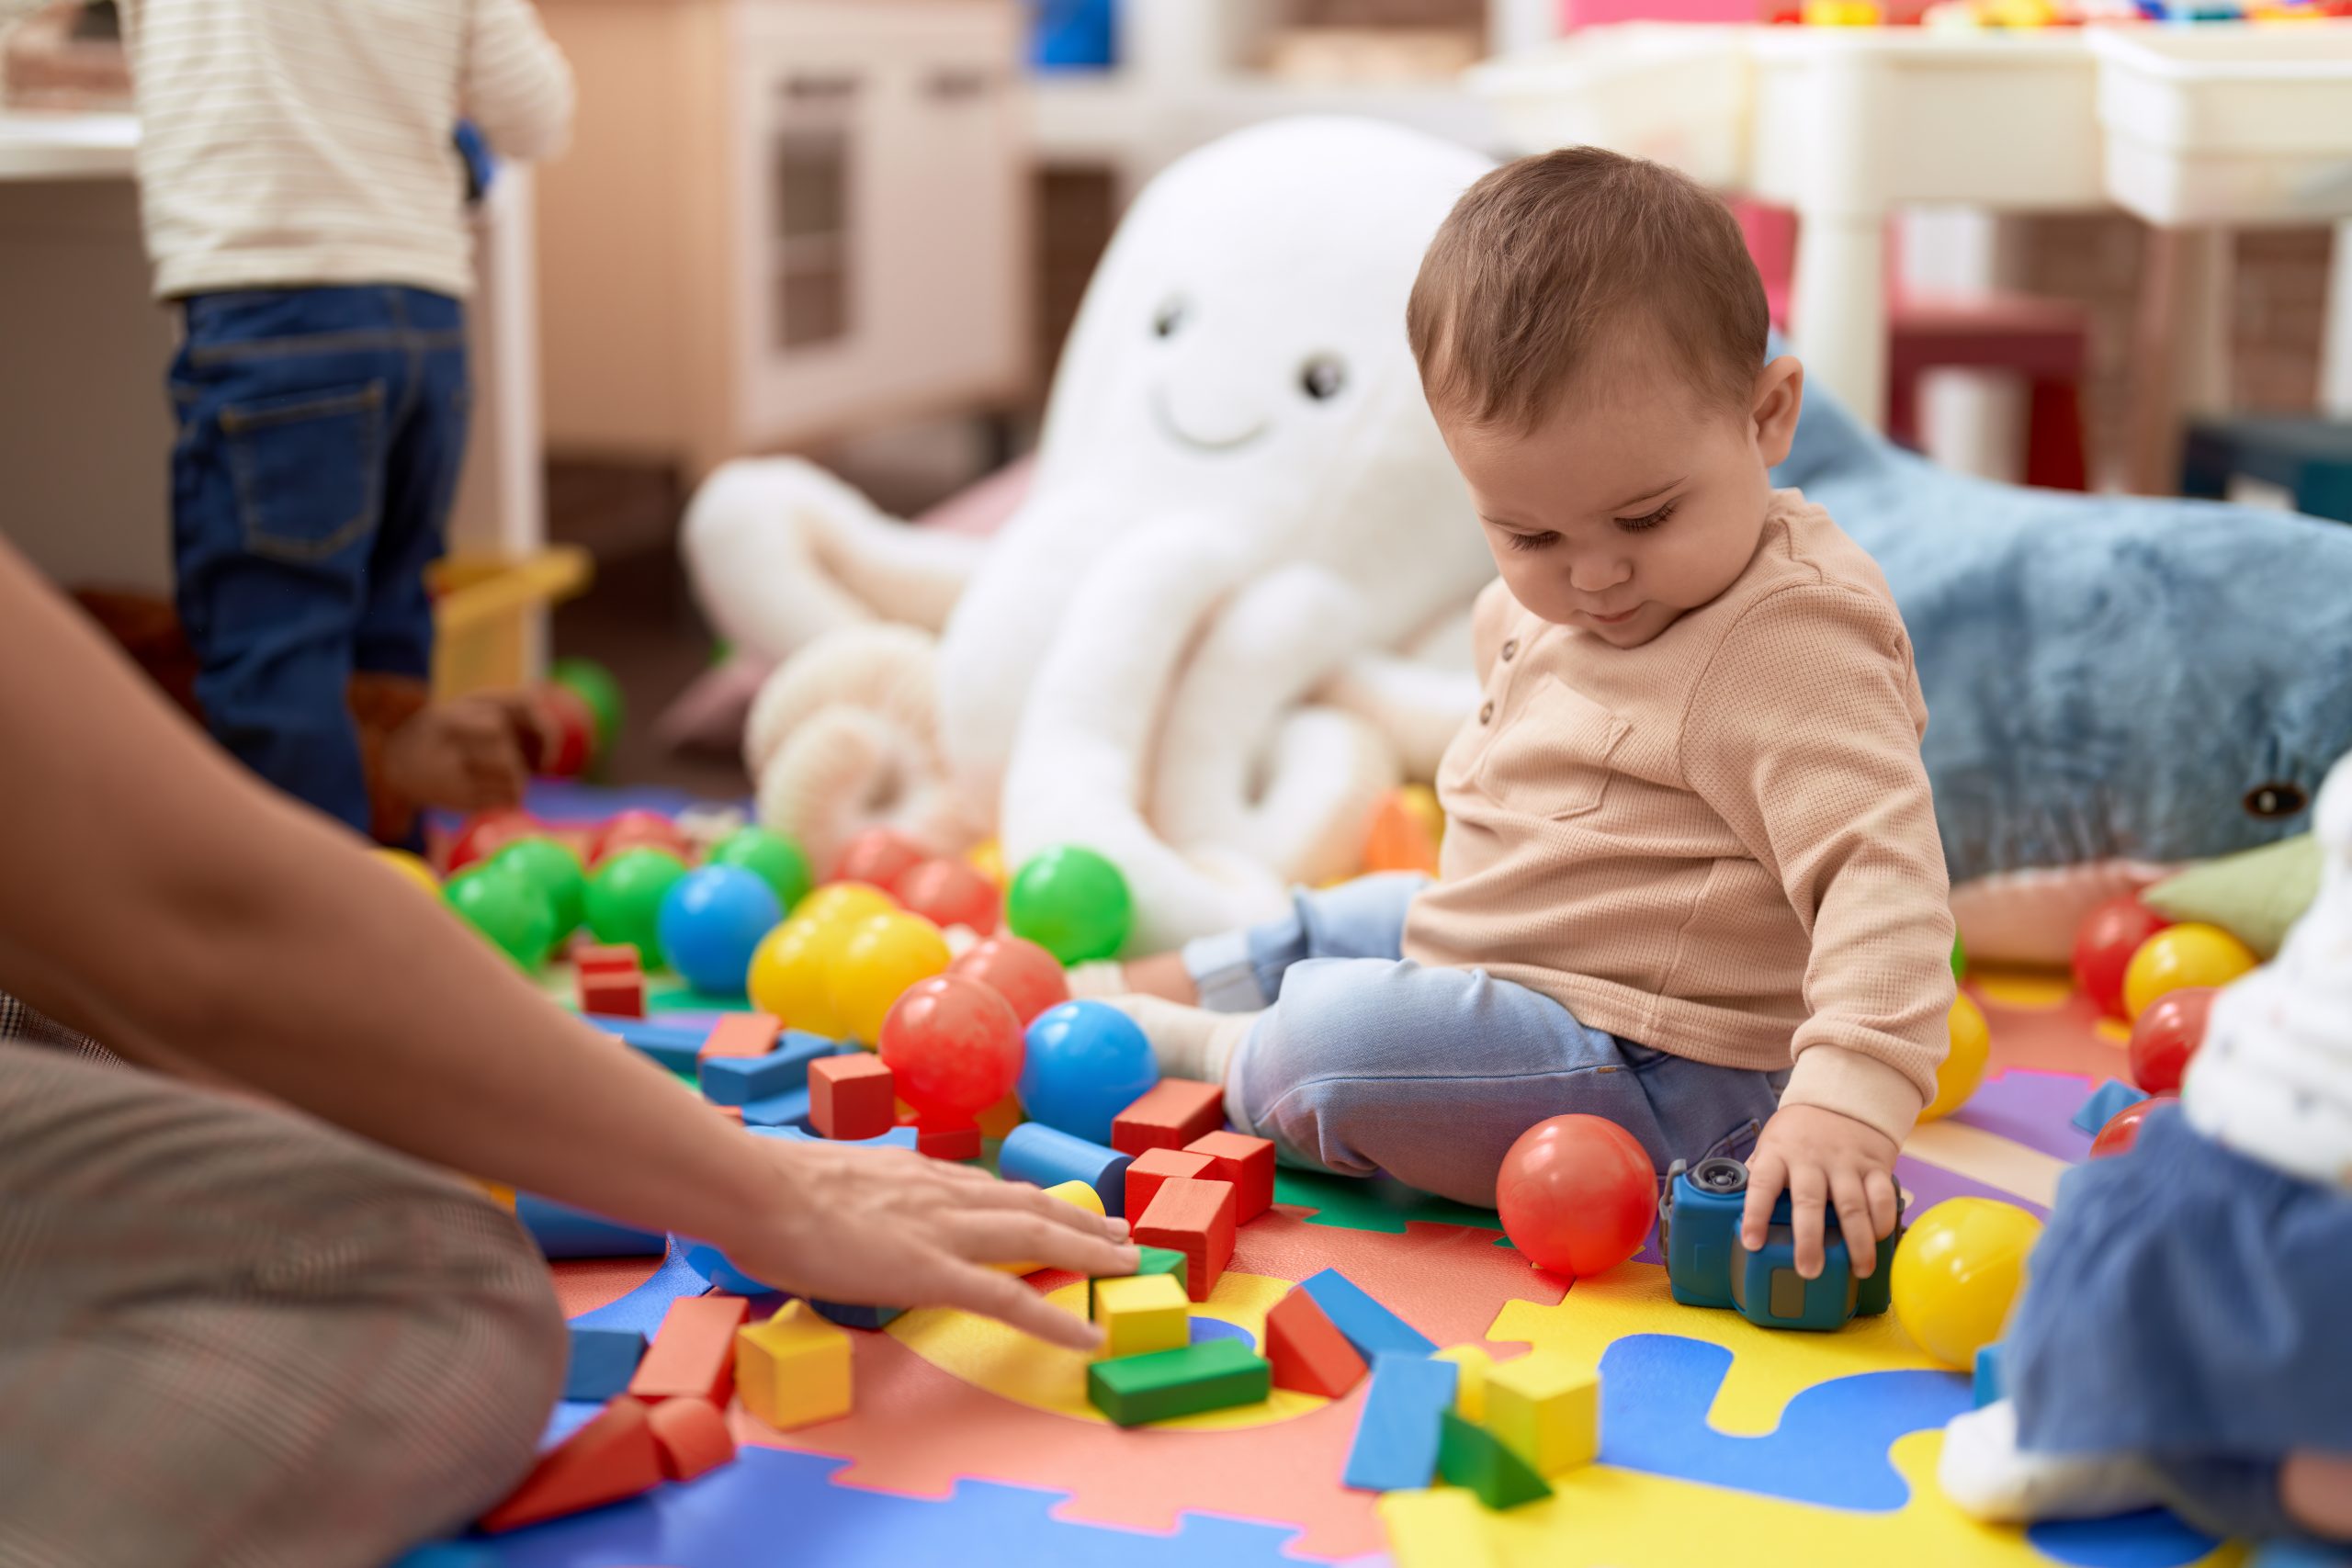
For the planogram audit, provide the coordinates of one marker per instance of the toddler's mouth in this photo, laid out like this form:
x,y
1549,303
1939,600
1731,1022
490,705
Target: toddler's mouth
x,y
1611,620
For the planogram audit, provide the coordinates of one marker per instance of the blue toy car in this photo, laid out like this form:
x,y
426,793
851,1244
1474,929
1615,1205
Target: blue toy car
x,y
1698,1229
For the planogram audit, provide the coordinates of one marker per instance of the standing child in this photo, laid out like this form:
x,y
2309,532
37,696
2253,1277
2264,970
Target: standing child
x,y
303,203
1691,880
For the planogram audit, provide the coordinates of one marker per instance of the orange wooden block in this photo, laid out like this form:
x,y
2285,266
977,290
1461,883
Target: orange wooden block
x,y
620,958
612,995
743,1035
849,1096
613,1457
693,1437
692,1353
1149,1168
1307,1351
1248,1163
1396,838
1196,1218
1170,1115
948,1143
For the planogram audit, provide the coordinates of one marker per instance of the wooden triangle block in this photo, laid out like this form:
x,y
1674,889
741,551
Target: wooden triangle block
x,y
693,1437
613,1457
1308,1353
1469,1455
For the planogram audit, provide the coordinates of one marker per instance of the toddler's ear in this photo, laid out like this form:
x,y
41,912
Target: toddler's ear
x,y
1774,406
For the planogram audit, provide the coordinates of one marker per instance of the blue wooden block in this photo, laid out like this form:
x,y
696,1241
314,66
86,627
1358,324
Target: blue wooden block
x,y
450,1554
2103,1102
740,1081
1372,1328
603,1360
674,1047
1396,1436
1048,1156
788,1110
562,1231
874,1319
715,1266
896,1138
1989,1384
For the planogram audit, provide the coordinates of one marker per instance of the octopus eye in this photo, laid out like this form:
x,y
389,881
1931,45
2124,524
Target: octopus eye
x,y
2279,799
1322,376
1167,319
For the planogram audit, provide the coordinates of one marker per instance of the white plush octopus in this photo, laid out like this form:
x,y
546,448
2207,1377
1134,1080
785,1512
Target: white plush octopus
x,y
1230,612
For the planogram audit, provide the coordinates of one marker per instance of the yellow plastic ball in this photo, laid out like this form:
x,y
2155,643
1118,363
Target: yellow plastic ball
x,y
413,868
879,959
988,859
791,975
1958,1272
851,903
1422,801
2179,957
1963,1068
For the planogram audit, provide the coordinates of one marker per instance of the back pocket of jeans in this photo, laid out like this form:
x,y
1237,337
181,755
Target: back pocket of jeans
x,y
308,469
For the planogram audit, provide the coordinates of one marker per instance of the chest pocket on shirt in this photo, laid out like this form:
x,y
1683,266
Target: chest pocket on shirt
x,y
1552,760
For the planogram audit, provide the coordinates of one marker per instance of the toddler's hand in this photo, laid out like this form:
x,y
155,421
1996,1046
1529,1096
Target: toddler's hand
x,y
1822,1157
886,1227
470,754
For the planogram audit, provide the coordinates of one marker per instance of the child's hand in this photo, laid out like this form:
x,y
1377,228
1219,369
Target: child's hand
x,y
1820,1156
470,754
887,1228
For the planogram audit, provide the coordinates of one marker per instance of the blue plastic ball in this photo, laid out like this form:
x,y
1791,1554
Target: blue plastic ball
x,y
711,921
1085,1063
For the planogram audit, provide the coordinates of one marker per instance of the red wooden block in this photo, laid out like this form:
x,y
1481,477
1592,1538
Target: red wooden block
x,y
1152,1166
613,1457
733,1112
743,1035
949,1143
612,995
692,1353
1248,1163
849,1096
693,1437
620,958
1196,1218
1308,1353
1170,1115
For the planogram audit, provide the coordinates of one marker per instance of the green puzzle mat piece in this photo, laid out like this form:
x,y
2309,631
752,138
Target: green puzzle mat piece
x,y
1348,1202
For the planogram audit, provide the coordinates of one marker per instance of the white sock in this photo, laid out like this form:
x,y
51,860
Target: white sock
x,y
1986,1473
1188,1042
1098,981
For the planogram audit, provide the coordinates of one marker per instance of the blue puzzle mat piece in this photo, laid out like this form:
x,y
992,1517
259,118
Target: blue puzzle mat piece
x,y
2151,1538
777,1506
642,1309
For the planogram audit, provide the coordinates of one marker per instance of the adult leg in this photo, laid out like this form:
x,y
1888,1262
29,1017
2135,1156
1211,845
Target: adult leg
x,y
230,1334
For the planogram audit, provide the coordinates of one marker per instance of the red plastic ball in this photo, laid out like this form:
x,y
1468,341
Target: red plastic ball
x,y
2110,935
485,833
2122,1128
1576,1195
2166,1035
954,1047
880,856
950,893
640,829
1021,972
564,752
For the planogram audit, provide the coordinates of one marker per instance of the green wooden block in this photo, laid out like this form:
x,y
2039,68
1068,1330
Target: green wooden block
x,y
1211,1375
1469,1455
1154,1260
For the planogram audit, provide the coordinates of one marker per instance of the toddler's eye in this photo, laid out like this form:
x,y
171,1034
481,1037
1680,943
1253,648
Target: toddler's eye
x,y
1650,520
1530,541
1168,318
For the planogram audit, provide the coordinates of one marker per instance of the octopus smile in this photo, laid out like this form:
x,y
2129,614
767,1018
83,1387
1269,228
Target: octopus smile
x,y
1177,433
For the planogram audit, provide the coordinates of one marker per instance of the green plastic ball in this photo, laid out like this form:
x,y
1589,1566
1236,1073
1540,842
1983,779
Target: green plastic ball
x,y
556,871
773,858
1958,958
1072,903
506,908
625,899
593,685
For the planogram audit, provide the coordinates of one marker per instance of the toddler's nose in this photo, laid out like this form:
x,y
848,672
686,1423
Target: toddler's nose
x,y
1597,574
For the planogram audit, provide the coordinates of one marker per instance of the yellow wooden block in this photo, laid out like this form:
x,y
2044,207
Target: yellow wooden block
x,y
499,1193
1077,1195
1470,1385
1547,1409
1146,1312
793,1370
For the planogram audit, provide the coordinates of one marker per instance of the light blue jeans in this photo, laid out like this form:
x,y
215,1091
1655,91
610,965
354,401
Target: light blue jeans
x,y
1364,1062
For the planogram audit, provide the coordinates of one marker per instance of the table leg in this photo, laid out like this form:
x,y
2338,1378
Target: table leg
x,y
2180,350
1838,311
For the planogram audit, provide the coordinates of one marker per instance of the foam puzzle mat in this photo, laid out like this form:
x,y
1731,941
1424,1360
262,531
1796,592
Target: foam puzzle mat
x,y
1721,1441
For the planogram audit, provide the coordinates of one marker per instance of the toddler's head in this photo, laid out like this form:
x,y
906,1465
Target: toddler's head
x,y
1591,333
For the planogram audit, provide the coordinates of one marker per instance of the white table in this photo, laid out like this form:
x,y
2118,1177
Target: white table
x,y
2192,127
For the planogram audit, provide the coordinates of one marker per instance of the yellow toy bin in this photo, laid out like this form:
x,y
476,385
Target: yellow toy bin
x,y
483,615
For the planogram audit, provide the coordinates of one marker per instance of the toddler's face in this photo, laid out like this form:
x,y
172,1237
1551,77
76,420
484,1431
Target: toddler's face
x,y
1629,506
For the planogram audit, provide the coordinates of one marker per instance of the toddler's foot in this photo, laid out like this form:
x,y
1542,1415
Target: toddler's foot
x,y
1991,1479
1188,1042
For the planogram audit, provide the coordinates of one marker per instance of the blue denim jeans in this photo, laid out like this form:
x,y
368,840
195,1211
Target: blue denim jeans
x,y
320,432
1363,1061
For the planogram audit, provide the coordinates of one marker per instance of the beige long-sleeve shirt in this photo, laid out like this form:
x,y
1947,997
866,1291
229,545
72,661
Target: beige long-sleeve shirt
x,y
286,143
1720,843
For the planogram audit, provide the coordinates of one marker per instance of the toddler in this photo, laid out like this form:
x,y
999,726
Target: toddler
x,y
2180,1339
1691,880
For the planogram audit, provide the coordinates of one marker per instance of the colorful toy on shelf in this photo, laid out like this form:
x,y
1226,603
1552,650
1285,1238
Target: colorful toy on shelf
x,y
773,858
955,1048
1022,974
876,961
1071,902
1956,1273
2181,956
624,895
2104,944
1575,1194
2167,1034
711,921
2121,1130
950,893
506,908
878,857
1707,1265
555,870
1086,1062
1963,1068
